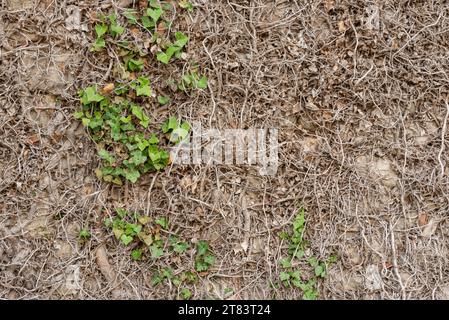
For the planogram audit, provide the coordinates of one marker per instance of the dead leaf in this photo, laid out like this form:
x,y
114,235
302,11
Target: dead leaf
x,y
185,182
422,219
103,264
161,28
146,238
244,245
143,4
108,88
329,5
34,138
199,211
341,26
92,16
131,95
327,115
430,228
394,44
57,137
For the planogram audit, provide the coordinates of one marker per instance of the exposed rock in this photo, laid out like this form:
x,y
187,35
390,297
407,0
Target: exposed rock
x,y
63,249
48,73
378,169
346,281
373,280
38,227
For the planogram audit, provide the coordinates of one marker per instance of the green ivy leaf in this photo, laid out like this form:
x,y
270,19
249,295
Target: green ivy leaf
x,y
163,57
153,139
284,276
299,222
115,29
201,266
154,153
313,261
90,95
167,273
126,239
202,247
138,113
143,144
320,270
186,294
296,282
156,252
118,232
84,234
144,88
295,275
130,15
137,157
106,156
148,23
155,13
209,259
170,125
163,222
181,39
136,254
98,45
180,247
78,114
202,83
286,263
299,253
121,212
163,100
310,295
185,4
135,65
132,175
101,29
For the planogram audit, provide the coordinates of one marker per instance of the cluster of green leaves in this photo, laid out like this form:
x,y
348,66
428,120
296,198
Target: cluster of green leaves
x,y
173,49
295,277
204,258
142,87
119,127
149,19
115,118
108,25
144,235
84,235
191,81
181,279
176,131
